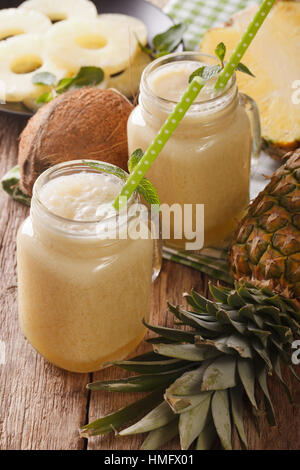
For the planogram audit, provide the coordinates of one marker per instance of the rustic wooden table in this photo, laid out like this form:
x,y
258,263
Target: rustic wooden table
x,y
42,407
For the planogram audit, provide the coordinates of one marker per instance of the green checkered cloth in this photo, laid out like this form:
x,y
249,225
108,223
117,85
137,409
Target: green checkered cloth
x,y
200,15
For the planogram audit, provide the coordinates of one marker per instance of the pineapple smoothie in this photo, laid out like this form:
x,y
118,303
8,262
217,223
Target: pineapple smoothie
x,y
207,159
82,293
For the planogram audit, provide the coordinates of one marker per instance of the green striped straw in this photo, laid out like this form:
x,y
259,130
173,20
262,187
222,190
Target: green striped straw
x,y
185,103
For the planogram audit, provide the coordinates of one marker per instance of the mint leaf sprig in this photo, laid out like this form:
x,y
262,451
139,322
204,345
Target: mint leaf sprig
x,y
145,187
166,42
87,76
10,184
208,71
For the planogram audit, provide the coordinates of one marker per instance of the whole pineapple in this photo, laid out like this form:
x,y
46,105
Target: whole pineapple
x,y
266,249
197,376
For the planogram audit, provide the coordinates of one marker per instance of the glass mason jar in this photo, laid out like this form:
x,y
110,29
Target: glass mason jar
x,y
83,295
207,160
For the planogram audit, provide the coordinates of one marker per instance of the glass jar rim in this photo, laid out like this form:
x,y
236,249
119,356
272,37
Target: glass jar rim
x,y
181,56
74,166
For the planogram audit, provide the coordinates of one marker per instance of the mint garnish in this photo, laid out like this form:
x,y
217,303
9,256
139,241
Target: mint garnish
x,y
10,184
44,78
149,193
145,188
87,76
168,41
208,71
107,168
46,97
220,52
134,159
243,68
165,43
205,72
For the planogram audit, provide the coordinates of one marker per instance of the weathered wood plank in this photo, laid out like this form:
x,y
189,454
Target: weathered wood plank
x,y
42,407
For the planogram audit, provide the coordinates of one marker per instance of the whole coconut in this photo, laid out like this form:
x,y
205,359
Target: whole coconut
x,y
83,124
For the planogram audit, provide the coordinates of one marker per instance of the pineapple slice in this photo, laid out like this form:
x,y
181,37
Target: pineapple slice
x,y
21,58
58,10
274,58
128,81
109,42
14,22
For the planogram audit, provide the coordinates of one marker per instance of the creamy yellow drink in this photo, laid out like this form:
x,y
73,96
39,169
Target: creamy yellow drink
x,y
82,292
207,159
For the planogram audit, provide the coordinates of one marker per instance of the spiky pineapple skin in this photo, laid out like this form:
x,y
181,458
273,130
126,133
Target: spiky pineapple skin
x,y
277,150
266,247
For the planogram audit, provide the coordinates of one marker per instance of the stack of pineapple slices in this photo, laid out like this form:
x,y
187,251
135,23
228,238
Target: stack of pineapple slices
x,y
274,58
30,44
58,10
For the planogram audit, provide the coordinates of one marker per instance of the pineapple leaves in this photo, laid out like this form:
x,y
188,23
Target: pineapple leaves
x,y
158,437
262,380
150,367
220,344
262,352
182,404
189,383
157,418
187,352
241,345
220,374
114,421
236,398
139,383
219,294
171,333
221,417
198,376
207,437
277,370
192,423
216,268
247,376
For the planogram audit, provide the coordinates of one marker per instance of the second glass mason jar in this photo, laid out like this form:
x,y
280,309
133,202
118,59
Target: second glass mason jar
x,y
207,160
83,294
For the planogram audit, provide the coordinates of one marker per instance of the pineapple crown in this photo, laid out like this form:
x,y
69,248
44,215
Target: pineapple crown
x,y
196,376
